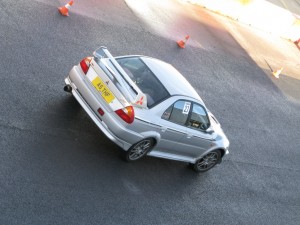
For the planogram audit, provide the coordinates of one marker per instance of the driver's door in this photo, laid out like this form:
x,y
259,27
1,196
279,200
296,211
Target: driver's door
x,y
172,127
197,140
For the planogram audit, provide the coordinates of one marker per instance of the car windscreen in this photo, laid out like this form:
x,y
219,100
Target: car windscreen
x,y
144,78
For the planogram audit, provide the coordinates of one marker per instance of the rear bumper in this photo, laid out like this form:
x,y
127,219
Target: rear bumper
x,y
102,126
81,92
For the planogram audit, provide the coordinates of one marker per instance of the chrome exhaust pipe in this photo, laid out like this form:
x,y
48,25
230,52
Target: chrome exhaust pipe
x,y
68,88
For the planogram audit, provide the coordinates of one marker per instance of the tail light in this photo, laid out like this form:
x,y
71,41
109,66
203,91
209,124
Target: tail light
x,y
126,114
85,64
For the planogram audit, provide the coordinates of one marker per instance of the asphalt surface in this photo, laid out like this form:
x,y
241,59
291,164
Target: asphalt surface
x,y
56,167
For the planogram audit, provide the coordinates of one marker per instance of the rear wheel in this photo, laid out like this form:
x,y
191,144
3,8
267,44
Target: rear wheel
x,y
139,149
207,161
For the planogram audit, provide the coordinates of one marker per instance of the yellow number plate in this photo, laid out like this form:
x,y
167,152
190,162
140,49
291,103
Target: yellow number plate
x,y
103,89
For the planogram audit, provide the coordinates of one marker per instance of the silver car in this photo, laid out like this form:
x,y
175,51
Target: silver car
x,y
147,107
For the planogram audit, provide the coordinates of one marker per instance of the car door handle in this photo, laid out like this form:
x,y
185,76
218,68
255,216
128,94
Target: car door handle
x,y
189,135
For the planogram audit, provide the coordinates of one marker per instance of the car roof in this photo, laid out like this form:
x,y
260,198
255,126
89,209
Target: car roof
x,y
171,78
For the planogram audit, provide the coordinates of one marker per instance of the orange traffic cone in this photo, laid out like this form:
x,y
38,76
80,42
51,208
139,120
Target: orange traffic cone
x,y
65,9
297,42
181,43
277,72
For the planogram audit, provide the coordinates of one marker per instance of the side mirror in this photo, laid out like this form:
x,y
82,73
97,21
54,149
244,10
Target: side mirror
x,y
209,130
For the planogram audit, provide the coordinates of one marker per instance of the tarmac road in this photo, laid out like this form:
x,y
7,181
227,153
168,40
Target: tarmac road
x,y
56,167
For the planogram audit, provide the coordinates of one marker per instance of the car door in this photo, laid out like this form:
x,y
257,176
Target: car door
x,y
197,141
172,127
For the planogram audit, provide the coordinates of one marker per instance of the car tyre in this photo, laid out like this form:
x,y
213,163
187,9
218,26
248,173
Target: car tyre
x,y
207,161
139,149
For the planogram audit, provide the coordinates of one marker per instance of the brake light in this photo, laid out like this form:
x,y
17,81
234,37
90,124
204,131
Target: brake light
x,y
85,64
126,114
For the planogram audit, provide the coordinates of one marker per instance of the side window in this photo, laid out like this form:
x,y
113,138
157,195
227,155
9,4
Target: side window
x,y
199,118
178,112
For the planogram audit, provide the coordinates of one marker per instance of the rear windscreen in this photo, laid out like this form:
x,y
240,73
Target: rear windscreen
x,y
144,79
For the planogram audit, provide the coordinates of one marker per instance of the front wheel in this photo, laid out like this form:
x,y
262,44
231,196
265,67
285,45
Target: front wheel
x,y
207,161
139,149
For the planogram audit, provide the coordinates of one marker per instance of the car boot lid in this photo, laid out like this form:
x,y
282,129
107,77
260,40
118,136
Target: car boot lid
x,y
127,87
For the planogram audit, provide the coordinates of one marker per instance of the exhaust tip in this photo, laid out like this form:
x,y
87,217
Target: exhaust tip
x,y
68,88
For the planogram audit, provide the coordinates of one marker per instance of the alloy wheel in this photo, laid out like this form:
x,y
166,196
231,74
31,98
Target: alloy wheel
x,y
140,149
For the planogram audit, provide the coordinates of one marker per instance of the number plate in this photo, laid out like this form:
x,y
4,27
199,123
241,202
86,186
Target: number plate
x,y
103,89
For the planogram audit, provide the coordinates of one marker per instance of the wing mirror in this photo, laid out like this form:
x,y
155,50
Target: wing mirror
x,y
209,130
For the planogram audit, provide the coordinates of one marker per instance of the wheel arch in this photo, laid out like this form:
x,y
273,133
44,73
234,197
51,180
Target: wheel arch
x,y
152,134
223,151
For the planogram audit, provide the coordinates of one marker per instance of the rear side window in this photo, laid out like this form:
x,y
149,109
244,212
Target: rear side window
x,y
178,112
140,73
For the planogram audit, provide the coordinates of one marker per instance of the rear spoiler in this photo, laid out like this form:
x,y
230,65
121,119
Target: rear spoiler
x,y
121,76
